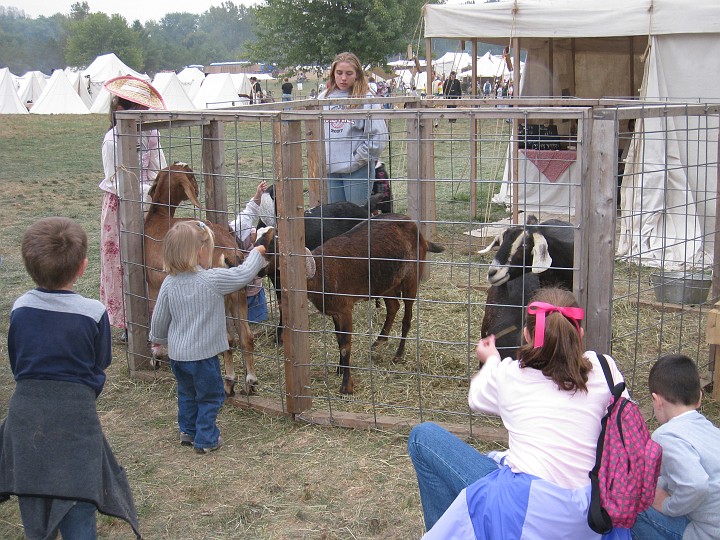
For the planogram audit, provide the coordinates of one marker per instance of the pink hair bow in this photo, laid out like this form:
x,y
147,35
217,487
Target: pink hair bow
x,y
541,309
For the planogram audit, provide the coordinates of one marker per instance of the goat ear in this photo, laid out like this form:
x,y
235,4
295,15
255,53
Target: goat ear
x,y
189,191
541,260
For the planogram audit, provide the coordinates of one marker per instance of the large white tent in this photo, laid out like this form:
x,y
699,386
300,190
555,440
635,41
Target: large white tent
x,y
31,86
593,49
9,101
216,91
59,97
452,61
104,68
173,92
191,78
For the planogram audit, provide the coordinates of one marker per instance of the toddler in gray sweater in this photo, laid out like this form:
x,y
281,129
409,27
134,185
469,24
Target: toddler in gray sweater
x,y
189,318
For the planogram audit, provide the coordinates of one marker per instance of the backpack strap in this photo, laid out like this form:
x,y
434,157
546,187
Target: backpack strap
x,y
615,389
598,518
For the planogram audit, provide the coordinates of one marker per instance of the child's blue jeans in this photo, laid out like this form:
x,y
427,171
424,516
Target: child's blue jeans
x,y
200,396
354,187
80,522
654,525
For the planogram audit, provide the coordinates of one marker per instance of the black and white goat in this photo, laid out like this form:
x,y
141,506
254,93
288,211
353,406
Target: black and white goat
x,y
528,258
546,248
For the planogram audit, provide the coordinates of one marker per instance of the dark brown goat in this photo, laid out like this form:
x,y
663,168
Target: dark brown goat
x,y
172,186
345,276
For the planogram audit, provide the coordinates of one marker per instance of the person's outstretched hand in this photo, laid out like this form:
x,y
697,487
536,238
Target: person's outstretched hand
x,y
486,348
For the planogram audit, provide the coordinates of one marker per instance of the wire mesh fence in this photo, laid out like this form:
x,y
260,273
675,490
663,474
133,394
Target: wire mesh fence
x,y
461,176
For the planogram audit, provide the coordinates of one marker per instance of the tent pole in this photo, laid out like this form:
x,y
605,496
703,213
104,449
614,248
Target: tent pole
x,y
428,66
551,67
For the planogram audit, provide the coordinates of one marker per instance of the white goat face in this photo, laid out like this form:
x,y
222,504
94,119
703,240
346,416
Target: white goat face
x,y
518,251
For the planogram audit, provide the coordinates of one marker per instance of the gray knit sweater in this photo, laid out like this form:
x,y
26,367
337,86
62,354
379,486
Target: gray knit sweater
x,y
690,472
189,315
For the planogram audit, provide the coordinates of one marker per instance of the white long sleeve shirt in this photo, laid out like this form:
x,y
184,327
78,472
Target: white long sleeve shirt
x,y
552,433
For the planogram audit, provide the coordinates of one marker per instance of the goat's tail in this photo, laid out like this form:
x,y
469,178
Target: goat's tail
x,y
432,247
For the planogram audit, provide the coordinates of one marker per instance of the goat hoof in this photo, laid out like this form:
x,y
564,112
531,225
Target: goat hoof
x,y
229,385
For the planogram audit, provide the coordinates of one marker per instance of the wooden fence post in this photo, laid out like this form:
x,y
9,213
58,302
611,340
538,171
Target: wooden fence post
x,y
213,160
599,214
291,248
131,244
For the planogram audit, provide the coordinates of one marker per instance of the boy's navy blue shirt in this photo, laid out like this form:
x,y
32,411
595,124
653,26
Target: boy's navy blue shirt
x,y
59,336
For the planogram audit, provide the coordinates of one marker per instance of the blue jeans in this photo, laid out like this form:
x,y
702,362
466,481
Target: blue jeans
x,y
444,466
200,396
287,97
257,307
654,525
80,522
354,187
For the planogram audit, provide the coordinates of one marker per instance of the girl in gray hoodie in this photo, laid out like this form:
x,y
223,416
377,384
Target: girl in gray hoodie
x,y
353,145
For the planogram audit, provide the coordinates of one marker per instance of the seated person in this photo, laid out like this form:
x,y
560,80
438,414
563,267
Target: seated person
x,y
687,499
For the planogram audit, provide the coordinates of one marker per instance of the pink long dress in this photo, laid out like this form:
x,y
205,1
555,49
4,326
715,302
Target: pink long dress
x,y
111,269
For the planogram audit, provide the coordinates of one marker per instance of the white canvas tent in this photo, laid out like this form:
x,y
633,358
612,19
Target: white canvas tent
x,y
9,101
173,92
106,67
191,79
452,61
242,84
31,86
594,49
80,84
216,91
59,97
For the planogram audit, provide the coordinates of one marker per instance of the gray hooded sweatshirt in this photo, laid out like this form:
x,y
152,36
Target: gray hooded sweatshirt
x,y
350,144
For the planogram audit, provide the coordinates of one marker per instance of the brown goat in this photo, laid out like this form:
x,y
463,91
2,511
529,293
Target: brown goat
x,y
172,186
345,276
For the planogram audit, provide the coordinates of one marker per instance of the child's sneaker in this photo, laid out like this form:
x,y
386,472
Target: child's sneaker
x,y
186,439
210,448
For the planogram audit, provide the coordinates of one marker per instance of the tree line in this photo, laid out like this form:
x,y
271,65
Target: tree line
x,y
282,32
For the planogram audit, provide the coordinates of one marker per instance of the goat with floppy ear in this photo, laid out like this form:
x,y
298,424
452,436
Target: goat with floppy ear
x,y
546,249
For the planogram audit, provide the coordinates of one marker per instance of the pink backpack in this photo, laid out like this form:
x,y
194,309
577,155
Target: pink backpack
x,y
627,463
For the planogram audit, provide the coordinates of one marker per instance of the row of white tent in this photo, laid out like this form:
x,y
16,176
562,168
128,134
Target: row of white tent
x,y
71,91
488,66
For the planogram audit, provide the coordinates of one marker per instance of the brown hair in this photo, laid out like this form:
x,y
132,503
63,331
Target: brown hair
x,y
182,244
361,86
675,377
561,356
53,251
116,102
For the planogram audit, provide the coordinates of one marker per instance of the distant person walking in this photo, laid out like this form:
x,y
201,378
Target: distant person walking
x,y
257,93
452,90
287,90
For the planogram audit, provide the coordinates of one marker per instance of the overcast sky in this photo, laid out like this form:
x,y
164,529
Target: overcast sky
x,y
143,10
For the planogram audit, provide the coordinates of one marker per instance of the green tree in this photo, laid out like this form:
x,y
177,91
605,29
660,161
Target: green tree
x,y
99,34
312,32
